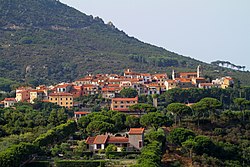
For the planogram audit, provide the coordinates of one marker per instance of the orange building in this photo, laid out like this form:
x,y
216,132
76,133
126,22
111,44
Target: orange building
x,y
62,99
122,104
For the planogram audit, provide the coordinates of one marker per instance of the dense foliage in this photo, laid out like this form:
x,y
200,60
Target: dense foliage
x,y
46,34
15,155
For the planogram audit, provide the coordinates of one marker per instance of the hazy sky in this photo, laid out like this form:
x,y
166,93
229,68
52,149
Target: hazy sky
x,y
206,30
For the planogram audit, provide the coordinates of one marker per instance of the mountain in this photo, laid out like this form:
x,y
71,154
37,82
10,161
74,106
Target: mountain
x,y
45,41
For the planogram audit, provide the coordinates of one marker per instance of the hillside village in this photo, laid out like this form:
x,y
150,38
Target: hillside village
x,y
110,85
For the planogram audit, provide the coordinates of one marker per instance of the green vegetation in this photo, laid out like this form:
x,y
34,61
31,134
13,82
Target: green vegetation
x,y
39,37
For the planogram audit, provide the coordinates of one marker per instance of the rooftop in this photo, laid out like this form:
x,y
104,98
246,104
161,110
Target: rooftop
x,y
136,131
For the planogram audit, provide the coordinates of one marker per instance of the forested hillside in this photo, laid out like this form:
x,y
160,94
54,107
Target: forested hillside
x,y
45,41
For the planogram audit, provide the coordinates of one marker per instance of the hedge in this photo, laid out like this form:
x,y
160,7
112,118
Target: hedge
x,y
17,154
80,163
115,154
38,164
56,134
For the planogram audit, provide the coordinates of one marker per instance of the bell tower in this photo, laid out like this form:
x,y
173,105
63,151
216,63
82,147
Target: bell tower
x,y
199,71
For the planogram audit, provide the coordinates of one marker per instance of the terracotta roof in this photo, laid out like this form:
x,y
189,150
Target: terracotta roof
x,y
125,99
89,86
63,86
113,85
9,99
171,81
41,91
100,139
136,131
82,112
84,79
111,89
60,94
145,74
121,109
206,84
113,139
90,140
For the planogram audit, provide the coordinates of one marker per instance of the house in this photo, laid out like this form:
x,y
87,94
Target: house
x,y
37,94
79,114
77,91
171,84
110,92
123,104
62,99
153,88
133,140
23,96
9,102
225,82
208,85
90,89
64,88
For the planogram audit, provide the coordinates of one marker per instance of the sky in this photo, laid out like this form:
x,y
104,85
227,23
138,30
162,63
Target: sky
x,y
207,30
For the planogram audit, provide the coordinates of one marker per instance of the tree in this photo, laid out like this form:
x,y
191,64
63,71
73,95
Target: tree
x,y
132,121
180,135
110,148
204,145
179,110
119,121
153,119
99,127
211,104
189,145
199,109
128,92
158,135
142,108
242,104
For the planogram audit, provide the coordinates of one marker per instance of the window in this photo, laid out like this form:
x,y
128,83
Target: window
x,y
61,98
56,98
140,144
121,106
66,98
98,146
61,103
51,98
121,101
66,103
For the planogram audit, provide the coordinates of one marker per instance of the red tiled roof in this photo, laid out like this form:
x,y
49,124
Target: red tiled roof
x,y
41,91
82,112
111,89
113,139
84,79
125,99
100,139
60,94
121,109
146,75
89,86
9,99
63,86
206,84
113,85
136,131
90,140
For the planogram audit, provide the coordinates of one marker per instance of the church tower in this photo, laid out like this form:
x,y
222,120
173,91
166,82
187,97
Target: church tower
x,y
173,75
199,71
